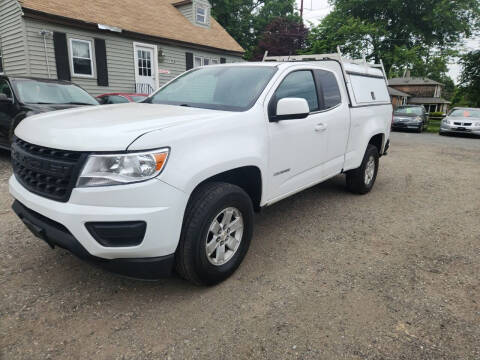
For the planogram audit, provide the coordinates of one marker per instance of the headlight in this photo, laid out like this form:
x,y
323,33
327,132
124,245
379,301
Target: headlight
x,y
116,169
418,118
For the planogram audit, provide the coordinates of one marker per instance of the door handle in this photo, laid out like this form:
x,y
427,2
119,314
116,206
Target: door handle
x,y
320,127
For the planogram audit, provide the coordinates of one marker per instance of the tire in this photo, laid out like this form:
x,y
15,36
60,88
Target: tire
x,y
211,203
357,180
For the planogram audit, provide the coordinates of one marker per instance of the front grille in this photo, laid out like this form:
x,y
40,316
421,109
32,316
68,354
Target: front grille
x,y
50,173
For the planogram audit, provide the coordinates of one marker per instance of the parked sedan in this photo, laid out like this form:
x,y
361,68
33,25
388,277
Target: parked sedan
x,y
119,98
461,121
413,117
23,97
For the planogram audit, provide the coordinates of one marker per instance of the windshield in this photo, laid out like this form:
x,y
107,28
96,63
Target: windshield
x,y
409,111
467,113
43,92
231,88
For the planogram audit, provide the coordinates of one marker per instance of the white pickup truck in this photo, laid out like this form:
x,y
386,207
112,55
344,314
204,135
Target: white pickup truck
x,y
173,183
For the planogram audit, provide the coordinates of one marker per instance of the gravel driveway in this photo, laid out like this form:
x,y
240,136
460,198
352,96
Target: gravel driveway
x,y
330,275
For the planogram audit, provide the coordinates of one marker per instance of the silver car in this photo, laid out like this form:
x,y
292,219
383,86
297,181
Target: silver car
x,y
461,121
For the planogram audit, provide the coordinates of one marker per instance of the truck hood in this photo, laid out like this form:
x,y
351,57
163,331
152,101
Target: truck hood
x,y
105,128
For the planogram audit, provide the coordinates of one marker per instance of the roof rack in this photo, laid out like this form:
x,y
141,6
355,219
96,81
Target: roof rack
x,y
322,57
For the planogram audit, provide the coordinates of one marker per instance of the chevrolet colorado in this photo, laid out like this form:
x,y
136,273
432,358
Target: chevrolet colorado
x,y
173,182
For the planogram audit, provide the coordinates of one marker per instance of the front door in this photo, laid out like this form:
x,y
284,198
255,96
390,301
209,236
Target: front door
x,y
297,147
145,68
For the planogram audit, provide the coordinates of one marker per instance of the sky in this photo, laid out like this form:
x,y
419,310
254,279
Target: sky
x,y
315,10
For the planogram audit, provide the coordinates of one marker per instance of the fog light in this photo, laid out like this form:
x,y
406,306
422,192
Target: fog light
x,y
118,234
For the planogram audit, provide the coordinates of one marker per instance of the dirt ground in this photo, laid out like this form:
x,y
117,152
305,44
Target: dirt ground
x,y
391,275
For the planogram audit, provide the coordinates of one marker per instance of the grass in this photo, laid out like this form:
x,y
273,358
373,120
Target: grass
x,y
434,126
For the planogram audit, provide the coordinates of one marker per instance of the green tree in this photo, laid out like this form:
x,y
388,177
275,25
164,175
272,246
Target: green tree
x,y
246,20
406,34
468,93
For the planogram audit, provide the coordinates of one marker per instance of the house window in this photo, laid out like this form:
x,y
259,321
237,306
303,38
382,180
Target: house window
x,y
81,57
204,61
144,63
201,14
1,62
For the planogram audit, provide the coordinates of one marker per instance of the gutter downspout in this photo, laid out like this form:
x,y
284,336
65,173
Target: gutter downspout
x,y
45,33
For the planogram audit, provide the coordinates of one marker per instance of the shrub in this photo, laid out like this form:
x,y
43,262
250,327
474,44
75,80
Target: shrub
x,y
436,114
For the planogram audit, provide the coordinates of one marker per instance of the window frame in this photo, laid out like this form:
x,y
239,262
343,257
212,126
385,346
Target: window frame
x,y
205,14
202,61
92,63
272,104
195,57
321,94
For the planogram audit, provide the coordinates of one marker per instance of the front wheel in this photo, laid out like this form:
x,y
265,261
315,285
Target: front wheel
x,y
216,234
361,180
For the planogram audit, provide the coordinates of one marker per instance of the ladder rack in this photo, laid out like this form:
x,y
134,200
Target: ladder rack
x,y
322,57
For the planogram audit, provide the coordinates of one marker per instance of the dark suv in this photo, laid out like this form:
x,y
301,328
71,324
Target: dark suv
x,y
22,97
413,117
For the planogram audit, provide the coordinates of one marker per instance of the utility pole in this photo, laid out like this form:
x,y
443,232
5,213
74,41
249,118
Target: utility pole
x,y
301,9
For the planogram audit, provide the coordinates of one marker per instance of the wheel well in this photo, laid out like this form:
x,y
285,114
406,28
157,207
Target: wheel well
x,y
249,178
377,141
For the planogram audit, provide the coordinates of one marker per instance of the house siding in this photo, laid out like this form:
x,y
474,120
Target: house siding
x,y
120,57
174,60
12,38
187,11
120,61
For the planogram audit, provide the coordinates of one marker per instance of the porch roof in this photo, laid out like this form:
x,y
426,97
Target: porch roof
x,y
427,100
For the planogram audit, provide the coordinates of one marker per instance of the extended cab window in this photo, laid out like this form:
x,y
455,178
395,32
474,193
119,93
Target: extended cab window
x,y
330,89
299,84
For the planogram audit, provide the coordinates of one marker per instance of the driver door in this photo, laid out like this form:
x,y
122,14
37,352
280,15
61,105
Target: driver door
x,y
298,147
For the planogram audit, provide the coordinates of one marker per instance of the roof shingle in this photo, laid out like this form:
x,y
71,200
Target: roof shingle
x,y
157,18
395,92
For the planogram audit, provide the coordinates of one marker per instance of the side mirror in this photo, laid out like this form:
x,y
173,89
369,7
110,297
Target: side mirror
x,y
291,108
4,99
